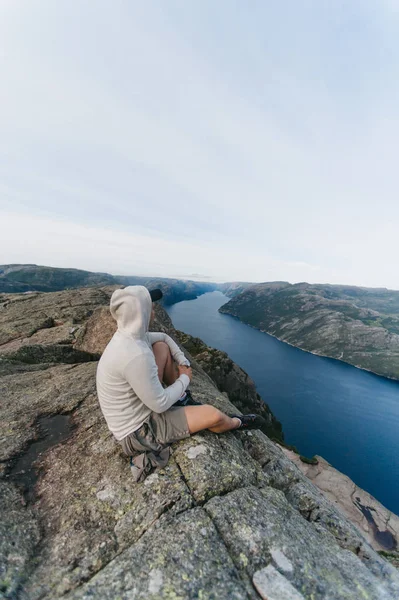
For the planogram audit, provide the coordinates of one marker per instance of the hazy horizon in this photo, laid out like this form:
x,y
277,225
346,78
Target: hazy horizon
x,y
235,142
198,278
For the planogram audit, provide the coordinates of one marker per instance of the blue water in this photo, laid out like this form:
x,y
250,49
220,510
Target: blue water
x,y
348,416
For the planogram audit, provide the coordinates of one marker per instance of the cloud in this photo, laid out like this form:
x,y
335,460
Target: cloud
x,y
266,137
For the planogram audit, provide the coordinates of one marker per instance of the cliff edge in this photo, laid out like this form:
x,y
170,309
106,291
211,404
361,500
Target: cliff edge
x,y
230,517
379,525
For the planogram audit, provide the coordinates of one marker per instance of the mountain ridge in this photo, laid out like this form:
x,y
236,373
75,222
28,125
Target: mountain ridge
x,y
340,322
357,325
23,278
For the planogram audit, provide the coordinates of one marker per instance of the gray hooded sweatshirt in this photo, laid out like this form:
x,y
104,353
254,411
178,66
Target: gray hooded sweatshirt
x,y
128,386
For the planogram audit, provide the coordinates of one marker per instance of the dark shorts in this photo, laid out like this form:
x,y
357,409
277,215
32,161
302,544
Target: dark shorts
x,y
157,431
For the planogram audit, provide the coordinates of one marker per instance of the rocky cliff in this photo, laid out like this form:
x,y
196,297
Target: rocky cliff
x,y
231,379
230,517
233,288
379,525
359,326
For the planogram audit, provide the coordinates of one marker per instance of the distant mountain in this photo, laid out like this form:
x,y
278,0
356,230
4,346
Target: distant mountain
x,y
28,278
233,288
174,290
24,278
357,325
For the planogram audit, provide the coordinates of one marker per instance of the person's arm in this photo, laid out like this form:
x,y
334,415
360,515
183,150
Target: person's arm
x,y
142,374
177,354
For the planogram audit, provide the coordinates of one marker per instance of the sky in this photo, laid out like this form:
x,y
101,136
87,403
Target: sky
x,y
227,140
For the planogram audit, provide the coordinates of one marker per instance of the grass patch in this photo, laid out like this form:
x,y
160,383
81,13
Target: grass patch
x,y
309,461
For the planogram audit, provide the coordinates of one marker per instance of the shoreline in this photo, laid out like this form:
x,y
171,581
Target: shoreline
x,y
394,379
333,463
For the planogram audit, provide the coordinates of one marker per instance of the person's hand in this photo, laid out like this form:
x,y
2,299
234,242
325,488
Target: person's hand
x,y
185,370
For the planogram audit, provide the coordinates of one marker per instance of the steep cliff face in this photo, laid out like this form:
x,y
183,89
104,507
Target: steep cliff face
x,y
379,525
233,288
336,321
230,517
233,380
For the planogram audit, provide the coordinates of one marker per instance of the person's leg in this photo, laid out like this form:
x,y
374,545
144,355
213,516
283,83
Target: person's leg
x,y
167,371
209,417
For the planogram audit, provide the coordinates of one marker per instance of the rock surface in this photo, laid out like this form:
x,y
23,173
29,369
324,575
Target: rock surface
x,y
359,326
225,515
378,525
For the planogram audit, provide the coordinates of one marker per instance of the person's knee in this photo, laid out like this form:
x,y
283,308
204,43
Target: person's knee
x,y
161,345
215,415
161,348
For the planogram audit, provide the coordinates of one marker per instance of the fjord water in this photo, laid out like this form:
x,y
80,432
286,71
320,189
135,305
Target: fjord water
x,y
348,416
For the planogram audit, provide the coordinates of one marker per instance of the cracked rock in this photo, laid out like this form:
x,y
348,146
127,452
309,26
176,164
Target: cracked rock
x,y
90,531
173,560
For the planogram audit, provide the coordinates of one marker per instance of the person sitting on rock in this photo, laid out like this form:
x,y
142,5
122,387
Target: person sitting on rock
x,y
142,380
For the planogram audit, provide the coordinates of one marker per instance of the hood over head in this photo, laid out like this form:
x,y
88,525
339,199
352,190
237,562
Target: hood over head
x,y
131,309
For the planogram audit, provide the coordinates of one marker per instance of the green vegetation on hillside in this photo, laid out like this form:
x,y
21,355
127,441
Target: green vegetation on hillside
x,y
336,321
23,278
28,278
233,380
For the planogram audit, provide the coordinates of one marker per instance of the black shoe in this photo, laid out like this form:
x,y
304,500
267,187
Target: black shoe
x,y
249,421
188,400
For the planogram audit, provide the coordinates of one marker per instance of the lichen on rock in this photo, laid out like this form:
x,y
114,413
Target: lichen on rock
x,y
224,516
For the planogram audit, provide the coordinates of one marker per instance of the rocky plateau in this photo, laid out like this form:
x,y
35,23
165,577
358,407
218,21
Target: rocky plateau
x,y
230,517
